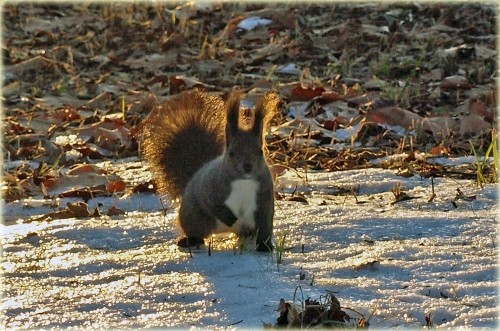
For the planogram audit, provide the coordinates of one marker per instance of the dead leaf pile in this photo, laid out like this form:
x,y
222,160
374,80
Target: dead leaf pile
x,y
327,314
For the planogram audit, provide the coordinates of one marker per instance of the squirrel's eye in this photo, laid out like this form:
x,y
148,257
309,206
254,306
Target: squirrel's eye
x,y
231,154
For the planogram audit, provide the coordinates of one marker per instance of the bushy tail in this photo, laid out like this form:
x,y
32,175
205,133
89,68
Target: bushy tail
x,y
180,136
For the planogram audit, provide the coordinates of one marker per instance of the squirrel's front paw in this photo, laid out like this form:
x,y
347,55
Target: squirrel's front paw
x,y
190,242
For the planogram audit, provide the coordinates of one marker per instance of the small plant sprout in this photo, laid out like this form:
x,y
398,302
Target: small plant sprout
x,y
271,73
484,163
124,109
280,247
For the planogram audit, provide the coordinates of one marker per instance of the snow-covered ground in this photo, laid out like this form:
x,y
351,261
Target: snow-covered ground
x,y
404,260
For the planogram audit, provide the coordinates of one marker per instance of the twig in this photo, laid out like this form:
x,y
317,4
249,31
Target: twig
x,y
433,196
235,323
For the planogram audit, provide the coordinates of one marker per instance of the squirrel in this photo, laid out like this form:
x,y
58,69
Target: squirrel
x,y
209,153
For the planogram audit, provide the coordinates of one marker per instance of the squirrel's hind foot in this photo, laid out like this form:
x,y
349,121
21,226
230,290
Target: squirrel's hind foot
x,y
265,247
190,242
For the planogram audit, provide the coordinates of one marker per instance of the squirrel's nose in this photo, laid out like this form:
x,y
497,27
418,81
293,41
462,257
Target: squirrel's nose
x,y
247,167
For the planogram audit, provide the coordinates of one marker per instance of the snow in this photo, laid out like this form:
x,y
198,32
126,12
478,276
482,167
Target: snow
x,y
402,260
290,69
250,23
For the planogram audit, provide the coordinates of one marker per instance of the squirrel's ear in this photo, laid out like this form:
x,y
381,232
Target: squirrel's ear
x,y
265,109
233,111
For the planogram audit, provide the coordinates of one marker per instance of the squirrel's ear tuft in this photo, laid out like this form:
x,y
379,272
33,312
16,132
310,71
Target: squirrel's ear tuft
x,y
265,109
233,110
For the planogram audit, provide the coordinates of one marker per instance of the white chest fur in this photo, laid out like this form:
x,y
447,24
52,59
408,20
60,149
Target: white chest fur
x,y
242,201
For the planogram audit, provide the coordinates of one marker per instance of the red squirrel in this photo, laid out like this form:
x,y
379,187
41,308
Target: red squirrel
x,y
210,153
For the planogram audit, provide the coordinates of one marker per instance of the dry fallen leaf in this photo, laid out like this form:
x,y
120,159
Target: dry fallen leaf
x,y
473,124
79,169
455,83
117,186
113,211
79,209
